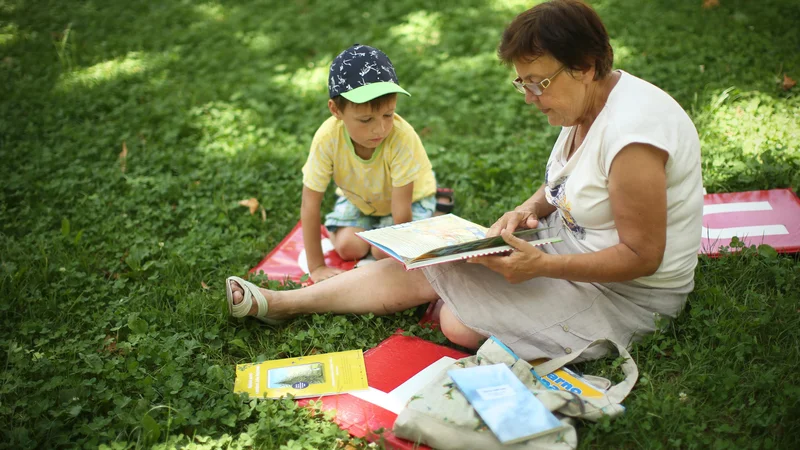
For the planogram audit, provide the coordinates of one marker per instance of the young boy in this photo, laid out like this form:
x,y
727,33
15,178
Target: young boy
x,y
375,158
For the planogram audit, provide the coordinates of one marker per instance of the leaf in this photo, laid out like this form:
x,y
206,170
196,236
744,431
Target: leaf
x,y
263,214
708,4
75,410
239,343
137,324
788,83
64,227
251,203
123,158
152,431
204,285
767,251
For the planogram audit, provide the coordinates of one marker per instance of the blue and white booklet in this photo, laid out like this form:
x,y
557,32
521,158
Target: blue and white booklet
x,y
507,407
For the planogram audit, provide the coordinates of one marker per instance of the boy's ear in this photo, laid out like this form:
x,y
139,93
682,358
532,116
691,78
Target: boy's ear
x,y
334,110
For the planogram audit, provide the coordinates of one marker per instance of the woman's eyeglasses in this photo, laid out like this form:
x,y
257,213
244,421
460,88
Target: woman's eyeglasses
x,y
535,88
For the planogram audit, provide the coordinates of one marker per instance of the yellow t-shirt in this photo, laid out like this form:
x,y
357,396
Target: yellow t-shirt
x,y
399,160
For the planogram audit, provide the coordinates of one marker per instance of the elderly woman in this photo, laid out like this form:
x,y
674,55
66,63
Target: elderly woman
x,y
622,188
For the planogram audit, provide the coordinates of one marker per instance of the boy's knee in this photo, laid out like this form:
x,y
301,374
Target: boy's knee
x,y
378,253
350,249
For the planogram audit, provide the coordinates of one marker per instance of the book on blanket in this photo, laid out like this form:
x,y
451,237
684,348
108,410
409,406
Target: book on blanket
x,y
442,239
306,376
504,404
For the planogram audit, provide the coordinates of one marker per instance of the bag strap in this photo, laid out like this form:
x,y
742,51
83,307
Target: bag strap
x,y
617,392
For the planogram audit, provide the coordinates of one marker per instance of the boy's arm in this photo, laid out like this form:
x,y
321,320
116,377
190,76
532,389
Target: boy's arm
x,y
311,220
401,203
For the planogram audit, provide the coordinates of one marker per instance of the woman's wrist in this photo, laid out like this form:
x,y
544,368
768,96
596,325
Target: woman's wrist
x,y
554,266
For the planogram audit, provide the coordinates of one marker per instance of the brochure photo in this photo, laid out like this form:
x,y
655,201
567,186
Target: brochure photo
x,y
507,407
306,376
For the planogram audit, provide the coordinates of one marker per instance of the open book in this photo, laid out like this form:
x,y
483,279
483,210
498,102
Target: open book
x,y
442,239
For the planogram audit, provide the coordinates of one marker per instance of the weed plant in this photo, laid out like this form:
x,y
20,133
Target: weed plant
x,y
129,131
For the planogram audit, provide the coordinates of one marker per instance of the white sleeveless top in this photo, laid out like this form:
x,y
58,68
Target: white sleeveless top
x,y
635,112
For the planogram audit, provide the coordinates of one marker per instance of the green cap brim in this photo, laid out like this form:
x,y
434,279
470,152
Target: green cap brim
x,y
366,93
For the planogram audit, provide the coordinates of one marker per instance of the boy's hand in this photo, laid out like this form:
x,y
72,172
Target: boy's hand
x,y
323,273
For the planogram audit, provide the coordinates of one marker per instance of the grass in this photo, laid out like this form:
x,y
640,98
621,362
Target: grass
x,y
112,340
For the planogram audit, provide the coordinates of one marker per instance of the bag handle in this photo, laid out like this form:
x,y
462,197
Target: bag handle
x,y
616,393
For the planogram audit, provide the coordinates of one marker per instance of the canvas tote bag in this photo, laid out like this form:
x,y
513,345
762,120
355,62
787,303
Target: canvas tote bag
x,y
441,417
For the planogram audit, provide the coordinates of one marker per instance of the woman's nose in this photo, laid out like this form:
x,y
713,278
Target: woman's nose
x,y
530,97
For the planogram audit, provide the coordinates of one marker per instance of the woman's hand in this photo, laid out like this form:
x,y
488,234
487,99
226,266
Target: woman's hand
x,y
323,272
524,263
514,220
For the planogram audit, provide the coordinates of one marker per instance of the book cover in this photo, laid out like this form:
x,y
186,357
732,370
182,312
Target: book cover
x,y
442,239
306,376
507,407
564,379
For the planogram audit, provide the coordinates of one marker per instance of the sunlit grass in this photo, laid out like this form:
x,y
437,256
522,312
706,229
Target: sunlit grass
x,y
132,64
420,31
211,11
8,34
753,120
622,53
512,7
257,41
309,81
227,129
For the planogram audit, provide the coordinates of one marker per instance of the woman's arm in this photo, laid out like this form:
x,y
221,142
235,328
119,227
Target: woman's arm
x,y
637,188
638,194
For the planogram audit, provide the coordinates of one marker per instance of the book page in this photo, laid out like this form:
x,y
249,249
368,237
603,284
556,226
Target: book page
x,y
412,239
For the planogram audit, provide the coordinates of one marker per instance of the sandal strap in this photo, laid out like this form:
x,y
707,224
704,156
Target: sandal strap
x,y
251,290
241,309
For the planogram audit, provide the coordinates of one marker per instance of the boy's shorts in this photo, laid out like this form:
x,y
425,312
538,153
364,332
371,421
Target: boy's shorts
x,y
346,214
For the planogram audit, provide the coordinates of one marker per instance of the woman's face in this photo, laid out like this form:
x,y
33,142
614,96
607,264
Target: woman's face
x,y
564,101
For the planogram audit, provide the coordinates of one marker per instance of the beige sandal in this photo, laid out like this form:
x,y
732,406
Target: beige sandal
x,y
250,290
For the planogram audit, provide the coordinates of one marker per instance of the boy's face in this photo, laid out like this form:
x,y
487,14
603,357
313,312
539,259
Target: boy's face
x,y
367,127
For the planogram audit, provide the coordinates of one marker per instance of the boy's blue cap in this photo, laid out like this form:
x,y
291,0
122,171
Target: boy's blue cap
x,y
362,73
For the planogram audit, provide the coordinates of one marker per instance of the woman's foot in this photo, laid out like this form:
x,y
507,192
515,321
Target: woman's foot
x,y
238,297
242,293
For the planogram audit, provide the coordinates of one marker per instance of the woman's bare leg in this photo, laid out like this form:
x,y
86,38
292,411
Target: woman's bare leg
x,y
383,287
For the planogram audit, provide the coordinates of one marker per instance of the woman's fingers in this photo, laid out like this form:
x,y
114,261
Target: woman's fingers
x,y
509,221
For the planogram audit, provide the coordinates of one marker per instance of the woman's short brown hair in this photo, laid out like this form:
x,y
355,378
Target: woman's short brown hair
x,y
569,30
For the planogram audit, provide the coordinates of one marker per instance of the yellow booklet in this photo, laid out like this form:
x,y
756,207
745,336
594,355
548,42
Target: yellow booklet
x,y
306,376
